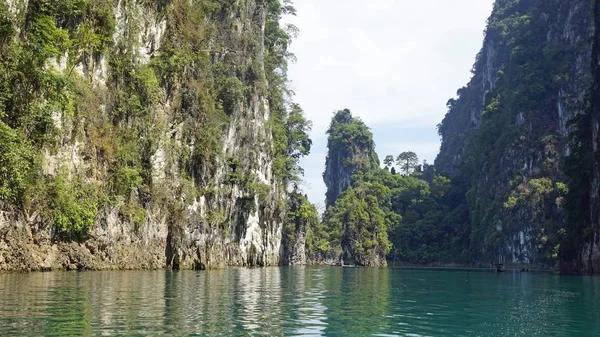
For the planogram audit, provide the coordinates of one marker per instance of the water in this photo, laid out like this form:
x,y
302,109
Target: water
x,y
312,301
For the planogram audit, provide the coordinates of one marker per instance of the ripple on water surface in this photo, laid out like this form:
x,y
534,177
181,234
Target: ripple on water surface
x,y
299,301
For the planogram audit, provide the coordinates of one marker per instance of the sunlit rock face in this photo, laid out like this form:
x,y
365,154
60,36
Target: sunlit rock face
x,y
170,121
505,136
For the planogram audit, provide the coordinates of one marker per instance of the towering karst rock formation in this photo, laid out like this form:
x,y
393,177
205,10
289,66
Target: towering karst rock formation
x,y
350,149
354,219
142,134
580,250
506,135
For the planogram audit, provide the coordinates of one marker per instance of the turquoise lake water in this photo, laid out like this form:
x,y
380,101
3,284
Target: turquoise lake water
x,y
299,301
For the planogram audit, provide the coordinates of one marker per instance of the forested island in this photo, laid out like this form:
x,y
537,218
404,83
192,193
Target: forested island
x,y
163,134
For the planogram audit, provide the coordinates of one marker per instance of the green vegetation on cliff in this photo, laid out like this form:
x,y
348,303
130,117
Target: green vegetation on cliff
x,y
353,219
350,150
178,114
174,112
505,135
580,244
499,191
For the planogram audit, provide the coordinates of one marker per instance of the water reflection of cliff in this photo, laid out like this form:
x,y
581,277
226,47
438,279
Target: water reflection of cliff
x,y
43,304
223,302
358,301
298,301
305,291
98,303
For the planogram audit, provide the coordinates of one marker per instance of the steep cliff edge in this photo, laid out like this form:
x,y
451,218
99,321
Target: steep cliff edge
x,y
580,250
591,250
141,134
505,137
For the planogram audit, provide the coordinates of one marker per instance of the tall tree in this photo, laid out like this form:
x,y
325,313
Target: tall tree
x,y
297,128
407,161
388,161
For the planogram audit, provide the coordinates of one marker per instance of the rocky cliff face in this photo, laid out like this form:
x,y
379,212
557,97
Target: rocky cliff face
x,y
590,254
355,223
147,130
580,250
350,150
301,217
507,133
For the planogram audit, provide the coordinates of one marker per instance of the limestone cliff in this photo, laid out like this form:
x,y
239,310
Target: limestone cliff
x,y
355,223
350,150
142,134
590,254
506,134
580,249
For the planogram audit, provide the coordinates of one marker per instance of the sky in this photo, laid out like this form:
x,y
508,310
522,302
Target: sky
x,y
393,63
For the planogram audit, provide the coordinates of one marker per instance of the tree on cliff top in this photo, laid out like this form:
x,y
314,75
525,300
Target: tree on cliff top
x,y
407,161
388,161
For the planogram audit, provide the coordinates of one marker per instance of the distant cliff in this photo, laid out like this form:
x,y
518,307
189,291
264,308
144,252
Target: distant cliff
x,y
138,134
350,149
354,222
506,135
